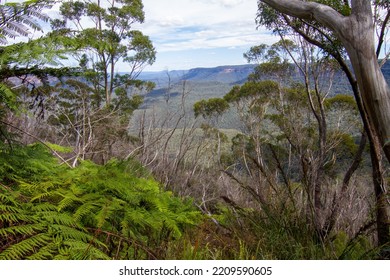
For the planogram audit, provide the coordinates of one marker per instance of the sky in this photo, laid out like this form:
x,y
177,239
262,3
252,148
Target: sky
x,y
197,33
201,33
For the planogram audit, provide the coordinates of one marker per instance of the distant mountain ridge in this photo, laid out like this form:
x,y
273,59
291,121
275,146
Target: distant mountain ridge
x,y
231,74
224,74
215,82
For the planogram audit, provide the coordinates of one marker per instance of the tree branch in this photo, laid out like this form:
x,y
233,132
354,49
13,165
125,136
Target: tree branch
x,y
39,140
382,34
310,10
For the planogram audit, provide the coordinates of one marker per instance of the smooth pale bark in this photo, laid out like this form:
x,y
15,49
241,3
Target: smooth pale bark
x,y
356,32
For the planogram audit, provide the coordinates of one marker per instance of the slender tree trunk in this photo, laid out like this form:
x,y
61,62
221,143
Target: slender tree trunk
x,y
338,200
356,32
382,214
374,89
106,87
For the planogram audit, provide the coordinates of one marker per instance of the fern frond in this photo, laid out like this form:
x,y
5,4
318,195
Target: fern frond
x,y
84,251
7,97
28,229
137,217
12,217
19,17
42,196
68,201
4,208
69,233
16,27
46,252
24,248
172,225
57,218
8,33
102,215
28,21
44,207
84,210
55,212
7,198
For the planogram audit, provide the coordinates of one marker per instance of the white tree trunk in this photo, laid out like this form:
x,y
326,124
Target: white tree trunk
x,y
356,32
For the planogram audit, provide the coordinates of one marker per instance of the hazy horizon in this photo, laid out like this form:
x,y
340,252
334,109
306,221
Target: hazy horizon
x,y
191,34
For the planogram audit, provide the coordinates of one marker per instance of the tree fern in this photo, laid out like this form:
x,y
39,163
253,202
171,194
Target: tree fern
x,y
7,97
83,251
43,233
44,252
34,228
89,212
17,18
25,247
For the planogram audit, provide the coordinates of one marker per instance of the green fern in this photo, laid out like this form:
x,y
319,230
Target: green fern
x,y
82,251
25,247
89,212
7,97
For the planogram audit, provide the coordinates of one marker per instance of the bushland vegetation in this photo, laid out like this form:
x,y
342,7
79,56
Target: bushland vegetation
x,y
87,172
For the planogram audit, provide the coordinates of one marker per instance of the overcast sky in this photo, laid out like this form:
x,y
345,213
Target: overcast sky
x,y
201,33
198,33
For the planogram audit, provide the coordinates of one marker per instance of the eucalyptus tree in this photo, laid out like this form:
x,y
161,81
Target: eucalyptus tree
x,y
289,139
346,30
104,30
212,110
91,113
354,28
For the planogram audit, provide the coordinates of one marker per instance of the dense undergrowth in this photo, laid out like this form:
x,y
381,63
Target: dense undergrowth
x,y
115,211
118,211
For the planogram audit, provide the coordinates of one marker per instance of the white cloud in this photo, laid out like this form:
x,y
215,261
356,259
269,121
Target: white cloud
x,y
172,21
175,25
225,3
184,29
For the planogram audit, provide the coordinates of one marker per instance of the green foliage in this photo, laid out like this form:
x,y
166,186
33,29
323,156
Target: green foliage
x,y
115,211
213,133
111,40
8,102
58,148
8,99
256,53
29,163
341,101
348,146
282,234
355,249
211,107
316,33
340,6
263,90
42,52
17,18
272,60
281,141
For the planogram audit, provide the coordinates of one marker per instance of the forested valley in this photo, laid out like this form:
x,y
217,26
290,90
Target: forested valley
x,y
288,162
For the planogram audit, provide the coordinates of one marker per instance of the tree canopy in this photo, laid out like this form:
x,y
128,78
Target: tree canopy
x,y
353,24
